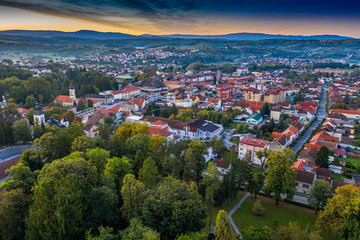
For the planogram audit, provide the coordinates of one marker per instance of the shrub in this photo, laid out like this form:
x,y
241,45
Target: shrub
x,y
258,209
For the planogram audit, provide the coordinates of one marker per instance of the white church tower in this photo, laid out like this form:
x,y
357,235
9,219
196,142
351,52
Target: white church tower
x,y
72,94
39,115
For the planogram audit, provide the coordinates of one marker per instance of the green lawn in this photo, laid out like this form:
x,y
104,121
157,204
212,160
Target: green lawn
x,y
337,176
274,215
226,206
354,161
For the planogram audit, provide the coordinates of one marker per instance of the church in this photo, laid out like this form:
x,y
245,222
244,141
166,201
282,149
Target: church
x,y
67,100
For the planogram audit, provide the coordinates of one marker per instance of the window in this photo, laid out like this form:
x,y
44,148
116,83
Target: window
x,y
305,186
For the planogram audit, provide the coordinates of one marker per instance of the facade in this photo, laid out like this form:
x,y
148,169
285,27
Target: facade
x,y
39,115
275,95
304,181
255,119
67,100
251,145
251,94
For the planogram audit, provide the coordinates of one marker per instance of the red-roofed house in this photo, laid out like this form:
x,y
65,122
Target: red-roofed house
x,y
351,114
214,103
251,145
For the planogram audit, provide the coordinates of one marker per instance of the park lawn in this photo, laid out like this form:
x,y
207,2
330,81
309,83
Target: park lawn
x,y
225,206
353,160
273,215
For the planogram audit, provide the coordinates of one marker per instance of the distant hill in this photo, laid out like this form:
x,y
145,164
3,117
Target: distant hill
x,y
94,35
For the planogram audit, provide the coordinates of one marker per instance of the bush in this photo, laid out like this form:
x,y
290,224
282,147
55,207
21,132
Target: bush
x,y
258,209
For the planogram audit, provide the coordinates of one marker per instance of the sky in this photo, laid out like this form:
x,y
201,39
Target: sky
x,y
161,17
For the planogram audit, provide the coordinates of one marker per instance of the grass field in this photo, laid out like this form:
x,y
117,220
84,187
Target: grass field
x,y
354,161
274,215
226,206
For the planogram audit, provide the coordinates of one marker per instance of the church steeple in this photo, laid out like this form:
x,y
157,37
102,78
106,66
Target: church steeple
x,y
39,115
72,94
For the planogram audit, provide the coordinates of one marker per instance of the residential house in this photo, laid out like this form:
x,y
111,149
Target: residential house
x,y
255,119
252,145
304,181
222,166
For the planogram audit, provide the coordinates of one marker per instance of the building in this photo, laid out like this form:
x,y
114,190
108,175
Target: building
x,y
39,115
255,119
350,114
222,166
275,95
251,94
304,181
67,100
199,129
252,145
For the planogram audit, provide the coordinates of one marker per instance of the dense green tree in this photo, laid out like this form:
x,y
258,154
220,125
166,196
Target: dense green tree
x,y
265,110
171,167
280,176
294,232
194,161
13,212
212,181
22,131
19,177
149,173
131,192
60,197
257,233
105,233
223,229
37,131
322,157
115,171
193,236
103,208
319,194
30,116
180,211
82,143
31,158
256,184
242,172
98,158
271,125
30,101
341,213
173,110
137,231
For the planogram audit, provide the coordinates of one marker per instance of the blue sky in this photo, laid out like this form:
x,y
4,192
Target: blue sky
x,y
306,17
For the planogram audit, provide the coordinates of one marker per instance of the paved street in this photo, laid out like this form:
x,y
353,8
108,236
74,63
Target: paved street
x,y
320,115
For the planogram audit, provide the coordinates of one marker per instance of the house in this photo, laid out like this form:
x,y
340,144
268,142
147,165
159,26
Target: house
x,y
350,114
67,100
199,129
308,154
279,143
255,119
222,166
304,181
214,103
252,145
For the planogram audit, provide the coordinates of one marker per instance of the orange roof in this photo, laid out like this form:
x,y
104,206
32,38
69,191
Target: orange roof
x,y
137,101
63,98
309,145
292,129
130,89
159,131
275,134
357,112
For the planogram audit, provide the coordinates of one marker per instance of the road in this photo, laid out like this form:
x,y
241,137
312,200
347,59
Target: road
x,y
320,115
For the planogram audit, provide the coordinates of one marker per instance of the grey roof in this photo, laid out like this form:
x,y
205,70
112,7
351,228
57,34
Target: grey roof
x,y
202,125
38,109
152,83
71,86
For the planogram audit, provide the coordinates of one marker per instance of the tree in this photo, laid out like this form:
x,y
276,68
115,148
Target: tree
x,y
193,236
30,101
103,208
194,161
340,215
82,143
171,166
98,158
115,171
212,181
223,229
137,231
265,110
347,99
19,177
130,192
138,162
256,184
294,232
257,233
30,116
173,110
242,171
262,156
271,125
280,176
31,158
37,131
180,211
322,157
149,173
13,212
104,234
319,194
59,208
22,131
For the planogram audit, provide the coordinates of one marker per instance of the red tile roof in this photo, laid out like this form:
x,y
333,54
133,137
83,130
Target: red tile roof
x,y
355,112
63,98
130,89
221,163
7,165
254,142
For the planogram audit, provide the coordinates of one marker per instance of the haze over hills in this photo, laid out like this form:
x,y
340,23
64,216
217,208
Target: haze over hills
x,y
87,34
